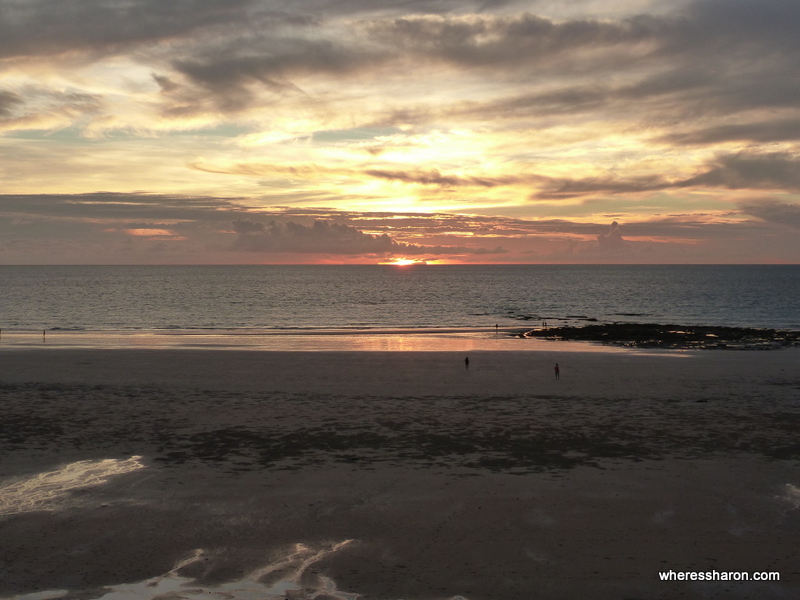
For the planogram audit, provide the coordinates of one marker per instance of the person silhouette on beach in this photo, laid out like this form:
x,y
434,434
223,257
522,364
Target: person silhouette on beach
x,y
466,362
558,372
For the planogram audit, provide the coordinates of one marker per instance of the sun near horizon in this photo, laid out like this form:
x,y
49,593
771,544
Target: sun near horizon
x,y
447,132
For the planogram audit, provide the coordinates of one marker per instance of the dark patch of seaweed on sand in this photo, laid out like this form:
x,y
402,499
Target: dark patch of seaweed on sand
x,y
514,434
653,335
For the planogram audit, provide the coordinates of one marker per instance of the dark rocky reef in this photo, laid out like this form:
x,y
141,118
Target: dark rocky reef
x,y
652,335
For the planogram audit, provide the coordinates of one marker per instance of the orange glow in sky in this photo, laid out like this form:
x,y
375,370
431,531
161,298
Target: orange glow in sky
x,y
404,262
446,132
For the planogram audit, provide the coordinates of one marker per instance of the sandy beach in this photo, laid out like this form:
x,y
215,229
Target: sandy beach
x,y
180,473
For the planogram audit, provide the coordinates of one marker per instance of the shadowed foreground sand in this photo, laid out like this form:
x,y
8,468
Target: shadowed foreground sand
x,y
226,474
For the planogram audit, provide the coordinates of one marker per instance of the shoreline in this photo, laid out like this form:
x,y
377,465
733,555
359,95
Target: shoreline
x,y
320,340
607,337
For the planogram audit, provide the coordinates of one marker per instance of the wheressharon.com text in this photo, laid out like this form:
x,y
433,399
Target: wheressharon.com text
x,y
719,576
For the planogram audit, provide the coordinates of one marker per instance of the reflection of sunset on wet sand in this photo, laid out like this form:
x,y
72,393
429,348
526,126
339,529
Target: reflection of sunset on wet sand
x,y
46,491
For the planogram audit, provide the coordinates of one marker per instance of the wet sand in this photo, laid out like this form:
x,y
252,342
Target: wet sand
x,y
397,475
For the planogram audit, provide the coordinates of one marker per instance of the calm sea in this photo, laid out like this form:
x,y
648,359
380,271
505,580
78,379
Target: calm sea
x,y
102,298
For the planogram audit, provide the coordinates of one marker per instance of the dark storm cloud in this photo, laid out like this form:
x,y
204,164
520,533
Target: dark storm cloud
x,y
323,237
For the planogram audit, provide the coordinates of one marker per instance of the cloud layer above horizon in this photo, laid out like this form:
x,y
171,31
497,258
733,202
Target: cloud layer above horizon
x,y
229,131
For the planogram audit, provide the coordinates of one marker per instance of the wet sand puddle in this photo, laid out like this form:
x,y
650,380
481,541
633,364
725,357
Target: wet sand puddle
x,y
47,490
289,578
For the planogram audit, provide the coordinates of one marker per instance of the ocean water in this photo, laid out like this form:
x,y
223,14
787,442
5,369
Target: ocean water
x,y
288,297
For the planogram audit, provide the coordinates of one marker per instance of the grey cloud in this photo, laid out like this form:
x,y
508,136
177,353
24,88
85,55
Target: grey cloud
x,y
518,40
8,100
434,177
510,228
224,72
714,57
704,61
761,131
244,226
324,237
356,7
107,205
48,27
752,29
746,20
694,226
52,27
225,69
556,188
77,227
751,171
34,107
667,81
767,171
226,77
579,97
414,176
774,212
670,96
612,240
567,100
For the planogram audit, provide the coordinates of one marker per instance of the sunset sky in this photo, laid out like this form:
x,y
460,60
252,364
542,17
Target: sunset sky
x,y
258,131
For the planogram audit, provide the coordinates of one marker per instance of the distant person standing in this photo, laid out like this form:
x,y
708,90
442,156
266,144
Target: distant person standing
x,y
466,362
558,372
